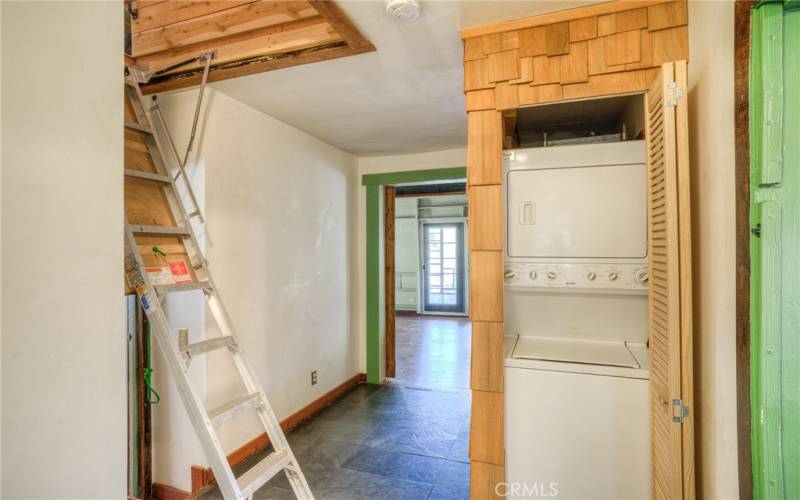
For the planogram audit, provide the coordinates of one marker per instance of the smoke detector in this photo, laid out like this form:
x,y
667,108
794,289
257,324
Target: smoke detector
x,y
404,11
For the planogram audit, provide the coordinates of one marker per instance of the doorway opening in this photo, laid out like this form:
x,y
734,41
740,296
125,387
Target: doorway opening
x,y
427,286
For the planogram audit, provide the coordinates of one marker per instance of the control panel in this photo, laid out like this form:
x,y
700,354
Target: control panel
x,y
580,276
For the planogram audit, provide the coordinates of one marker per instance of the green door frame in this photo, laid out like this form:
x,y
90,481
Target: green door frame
x,y
774,260
374,184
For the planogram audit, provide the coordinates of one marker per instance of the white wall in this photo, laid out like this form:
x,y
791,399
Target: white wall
x,y
63,346
279,238
384,164
712,147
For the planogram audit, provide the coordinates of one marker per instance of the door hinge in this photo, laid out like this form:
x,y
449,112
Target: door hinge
x,y
674,94
756,231
679,411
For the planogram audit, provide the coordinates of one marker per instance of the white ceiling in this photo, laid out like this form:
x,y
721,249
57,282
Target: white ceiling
x,y
406,97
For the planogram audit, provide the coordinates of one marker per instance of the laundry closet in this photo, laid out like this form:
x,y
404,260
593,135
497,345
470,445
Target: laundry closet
x,y
576,274
580,251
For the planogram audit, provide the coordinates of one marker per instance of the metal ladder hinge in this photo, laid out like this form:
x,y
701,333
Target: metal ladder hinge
x,y
679,411
675,94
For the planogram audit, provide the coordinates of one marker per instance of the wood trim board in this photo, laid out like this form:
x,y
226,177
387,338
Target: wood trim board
x,y
556,17
742,41
389,277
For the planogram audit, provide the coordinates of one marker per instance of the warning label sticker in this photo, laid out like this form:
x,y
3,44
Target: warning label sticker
x,y
179,271
159,275
175,273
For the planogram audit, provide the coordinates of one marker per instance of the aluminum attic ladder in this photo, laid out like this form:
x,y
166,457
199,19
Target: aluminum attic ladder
x,y
150,181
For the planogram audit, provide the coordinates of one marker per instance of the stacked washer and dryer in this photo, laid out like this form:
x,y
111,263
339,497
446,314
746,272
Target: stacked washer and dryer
x,y
576,378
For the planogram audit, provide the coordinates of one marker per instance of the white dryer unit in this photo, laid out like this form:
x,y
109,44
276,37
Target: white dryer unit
x,y
576,379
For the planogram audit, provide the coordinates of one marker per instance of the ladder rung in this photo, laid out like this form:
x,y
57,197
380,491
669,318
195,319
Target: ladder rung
x,y
150,176
230,409
263,471
139,228
209,345
136,126
194,214
184,287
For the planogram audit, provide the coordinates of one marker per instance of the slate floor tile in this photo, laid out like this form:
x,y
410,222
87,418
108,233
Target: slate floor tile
x,y
422,437
361,393
453,482
417,468
319,460
353,485
346,430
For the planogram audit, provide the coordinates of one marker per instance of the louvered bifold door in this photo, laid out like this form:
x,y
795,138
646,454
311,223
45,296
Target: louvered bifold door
x,y
670,285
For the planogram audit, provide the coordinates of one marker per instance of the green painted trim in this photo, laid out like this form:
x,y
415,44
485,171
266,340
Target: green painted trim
x,y
790,262
771,117
373,283
436,174
774,265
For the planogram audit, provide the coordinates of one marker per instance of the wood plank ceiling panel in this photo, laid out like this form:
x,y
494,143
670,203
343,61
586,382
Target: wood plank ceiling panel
x,y
247,36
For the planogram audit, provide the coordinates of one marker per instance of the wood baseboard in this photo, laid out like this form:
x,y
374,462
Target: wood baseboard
x,y
202,477
166,492
403,312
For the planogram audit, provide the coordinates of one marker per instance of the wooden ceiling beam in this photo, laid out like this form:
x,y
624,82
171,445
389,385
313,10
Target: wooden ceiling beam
x,y
151,14
297,35
212,26
341,23
289,60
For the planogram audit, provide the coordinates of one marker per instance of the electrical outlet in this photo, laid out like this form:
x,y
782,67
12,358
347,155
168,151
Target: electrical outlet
x,y
314,377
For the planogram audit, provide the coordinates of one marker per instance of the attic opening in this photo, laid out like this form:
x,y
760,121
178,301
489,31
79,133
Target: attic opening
x,y
165,40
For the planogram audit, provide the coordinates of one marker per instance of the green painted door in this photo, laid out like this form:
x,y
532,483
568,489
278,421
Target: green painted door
x,y
775,249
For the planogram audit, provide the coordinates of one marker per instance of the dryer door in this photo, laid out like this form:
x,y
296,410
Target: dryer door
x,y
578,212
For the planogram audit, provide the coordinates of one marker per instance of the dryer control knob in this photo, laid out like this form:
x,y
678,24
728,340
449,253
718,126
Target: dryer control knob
x,y
591,275
532,275
613,275
642,277
509,274
551,275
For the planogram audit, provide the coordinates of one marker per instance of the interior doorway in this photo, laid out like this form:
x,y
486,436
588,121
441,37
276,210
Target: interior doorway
x,y
427,285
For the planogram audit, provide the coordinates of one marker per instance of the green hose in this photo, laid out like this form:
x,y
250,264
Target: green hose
x,y
151,395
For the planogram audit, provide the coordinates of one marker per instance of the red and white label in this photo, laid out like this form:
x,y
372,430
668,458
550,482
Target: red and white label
x,y
180,271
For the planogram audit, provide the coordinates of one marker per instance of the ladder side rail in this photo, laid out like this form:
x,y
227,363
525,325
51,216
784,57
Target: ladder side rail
x,y
169,347
181,167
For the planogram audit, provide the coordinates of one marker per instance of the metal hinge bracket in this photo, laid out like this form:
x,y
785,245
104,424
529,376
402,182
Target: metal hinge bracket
x,y
679,411
675,94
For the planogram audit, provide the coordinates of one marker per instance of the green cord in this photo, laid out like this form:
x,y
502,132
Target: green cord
x,y
150,393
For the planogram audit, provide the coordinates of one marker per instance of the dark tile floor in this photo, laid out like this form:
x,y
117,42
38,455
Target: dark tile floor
x,y
390,441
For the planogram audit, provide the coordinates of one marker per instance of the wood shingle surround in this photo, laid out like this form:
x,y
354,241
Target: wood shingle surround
x,y
604,49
